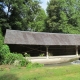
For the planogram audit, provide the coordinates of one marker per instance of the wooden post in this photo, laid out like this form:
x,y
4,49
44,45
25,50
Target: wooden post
x,y
47,52
77,50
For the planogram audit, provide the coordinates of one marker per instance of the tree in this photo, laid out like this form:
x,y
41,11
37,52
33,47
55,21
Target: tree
x,y
3,19
1,38
38,23
63,16
23,15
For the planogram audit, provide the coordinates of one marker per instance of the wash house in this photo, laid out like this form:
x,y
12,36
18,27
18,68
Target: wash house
x,y
42,44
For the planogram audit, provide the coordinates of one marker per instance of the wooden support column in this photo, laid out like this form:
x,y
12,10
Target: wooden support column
x,y
47,55
77,50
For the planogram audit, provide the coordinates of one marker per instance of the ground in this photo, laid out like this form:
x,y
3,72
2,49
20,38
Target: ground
x,y
69,72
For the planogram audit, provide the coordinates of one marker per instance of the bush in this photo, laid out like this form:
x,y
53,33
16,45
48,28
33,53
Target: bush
x,y
23,62
3,51
9,58
15,58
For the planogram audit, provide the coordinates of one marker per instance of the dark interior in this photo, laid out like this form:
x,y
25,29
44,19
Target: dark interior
x,y
37,50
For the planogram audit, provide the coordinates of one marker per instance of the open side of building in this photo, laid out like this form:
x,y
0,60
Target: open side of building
x,y
42,44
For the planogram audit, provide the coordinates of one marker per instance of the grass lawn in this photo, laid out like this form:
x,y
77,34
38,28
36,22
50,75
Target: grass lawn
x,y
71,72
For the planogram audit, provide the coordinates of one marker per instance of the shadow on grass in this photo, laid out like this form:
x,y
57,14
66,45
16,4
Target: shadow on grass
x,y
8,77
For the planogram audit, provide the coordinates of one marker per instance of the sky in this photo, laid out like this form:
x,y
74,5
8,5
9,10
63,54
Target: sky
x,y
44,4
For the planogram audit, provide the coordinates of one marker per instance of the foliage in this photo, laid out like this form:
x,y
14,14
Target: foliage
x,y
34,65
63,16
3,51
3,19
23,62
22,15
9,58
1,39
16,59
39,23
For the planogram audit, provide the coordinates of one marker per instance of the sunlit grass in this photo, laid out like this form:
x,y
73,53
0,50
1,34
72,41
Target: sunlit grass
x,y
71,72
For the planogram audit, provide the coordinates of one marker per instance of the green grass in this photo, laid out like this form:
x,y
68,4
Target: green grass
x,y
71,72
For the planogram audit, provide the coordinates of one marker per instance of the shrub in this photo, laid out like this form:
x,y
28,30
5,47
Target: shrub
x,y
3,51
10,58
23,62
29,65
15,58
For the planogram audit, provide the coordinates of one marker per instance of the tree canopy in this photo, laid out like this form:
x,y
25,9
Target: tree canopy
x,y
22,15
63,16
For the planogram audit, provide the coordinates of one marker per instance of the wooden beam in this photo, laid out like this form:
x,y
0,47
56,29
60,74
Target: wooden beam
x,y
77,50
47,55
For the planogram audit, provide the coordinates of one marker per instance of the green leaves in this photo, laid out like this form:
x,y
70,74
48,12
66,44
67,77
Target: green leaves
x,y
1,40
39,22
4,50
22,15
63,16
